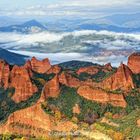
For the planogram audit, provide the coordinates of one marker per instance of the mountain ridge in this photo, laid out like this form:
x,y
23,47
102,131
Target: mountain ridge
x,y
26,27
44,98
12,58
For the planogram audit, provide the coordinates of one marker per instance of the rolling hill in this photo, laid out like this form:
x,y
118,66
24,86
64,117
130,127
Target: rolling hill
x,y
12,58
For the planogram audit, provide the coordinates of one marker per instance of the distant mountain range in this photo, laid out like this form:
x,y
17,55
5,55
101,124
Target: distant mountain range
x,y
12,58
27,27
122,20
100,27
117,23
7,21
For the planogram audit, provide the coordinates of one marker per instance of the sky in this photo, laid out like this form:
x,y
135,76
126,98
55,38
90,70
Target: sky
x,y
67,7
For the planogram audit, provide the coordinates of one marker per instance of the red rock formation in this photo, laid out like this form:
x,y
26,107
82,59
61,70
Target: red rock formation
x,y
4,74
122,79
33,121
52,88
29,67
68,80
95,69
63,78
107,67
40,66
101,96
28,64
138,123
134,63
54,69
20,80
90,70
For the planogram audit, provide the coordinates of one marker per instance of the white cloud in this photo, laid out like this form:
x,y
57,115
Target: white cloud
x,y
98,3
114,50
56,58
49,37
51,42
73,7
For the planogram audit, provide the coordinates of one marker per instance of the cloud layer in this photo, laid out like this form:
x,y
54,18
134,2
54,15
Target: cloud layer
x,y
98,47
71,8
56,58
104,39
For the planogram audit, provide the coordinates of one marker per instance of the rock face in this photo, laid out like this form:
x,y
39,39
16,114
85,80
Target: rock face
x,y
40,66
95,69
33,121
101,96
28,67
54,69
138,123
68,80
107,67
63,78
52,88
20,80
90,70
122,79
134,63
4,74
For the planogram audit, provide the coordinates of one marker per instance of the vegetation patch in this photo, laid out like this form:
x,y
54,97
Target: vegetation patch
x,y
127,129
69,97
75,65
98,77
136,80
8,106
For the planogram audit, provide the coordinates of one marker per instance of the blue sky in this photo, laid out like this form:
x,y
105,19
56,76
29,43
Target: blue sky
x,y
67,7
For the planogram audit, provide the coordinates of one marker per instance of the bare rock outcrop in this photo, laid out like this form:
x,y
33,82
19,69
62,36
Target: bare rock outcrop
x,y
122,79
20,80
138,123
52,88
95,69
40,66
54,69
68,80
90,70
34,122
4,74
101,96
134,63
107,67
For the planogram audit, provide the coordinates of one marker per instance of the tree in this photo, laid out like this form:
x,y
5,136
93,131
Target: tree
x,y
57,115
118,136
75,120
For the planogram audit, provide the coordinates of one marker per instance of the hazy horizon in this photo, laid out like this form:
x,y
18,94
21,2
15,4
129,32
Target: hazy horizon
x,y
62,8
97,31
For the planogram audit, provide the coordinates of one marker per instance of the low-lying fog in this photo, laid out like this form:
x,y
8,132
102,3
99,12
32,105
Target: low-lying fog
x,y
87,45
